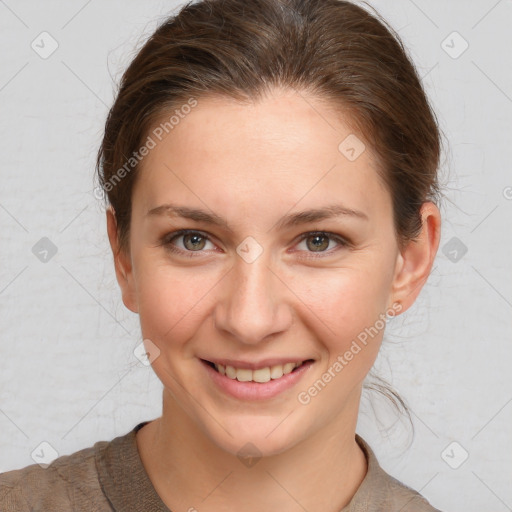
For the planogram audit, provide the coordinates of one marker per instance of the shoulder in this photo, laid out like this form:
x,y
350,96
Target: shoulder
x,y
381,491
70,482
404,498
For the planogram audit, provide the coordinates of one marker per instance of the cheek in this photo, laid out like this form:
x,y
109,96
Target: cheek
x,y
172,301
344,296
345,305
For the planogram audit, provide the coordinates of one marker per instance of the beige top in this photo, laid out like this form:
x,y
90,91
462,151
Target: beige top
x,y
109,476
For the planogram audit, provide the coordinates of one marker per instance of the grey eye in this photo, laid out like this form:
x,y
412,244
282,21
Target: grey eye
x,y
194,241
317,242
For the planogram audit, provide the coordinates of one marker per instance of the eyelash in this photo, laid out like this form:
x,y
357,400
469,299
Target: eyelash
x,y
168,239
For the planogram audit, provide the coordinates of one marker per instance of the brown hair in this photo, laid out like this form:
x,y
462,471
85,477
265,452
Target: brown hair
x,y
332,49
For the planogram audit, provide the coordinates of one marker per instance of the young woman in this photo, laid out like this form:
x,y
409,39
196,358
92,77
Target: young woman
x,y
271,174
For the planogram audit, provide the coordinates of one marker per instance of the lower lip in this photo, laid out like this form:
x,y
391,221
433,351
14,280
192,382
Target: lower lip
x,y
256,390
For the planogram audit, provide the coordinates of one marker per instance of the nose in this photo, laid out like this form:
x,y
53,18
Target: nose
x,y
253,305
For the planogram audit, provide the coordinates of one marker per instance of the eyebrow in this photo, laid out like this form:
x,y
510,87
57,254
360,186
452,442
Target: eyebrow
x,y
289,220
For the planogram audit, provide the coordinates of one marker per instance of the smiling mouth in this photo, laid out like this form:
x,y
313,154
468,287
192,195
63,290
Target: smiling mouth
x,y
260,375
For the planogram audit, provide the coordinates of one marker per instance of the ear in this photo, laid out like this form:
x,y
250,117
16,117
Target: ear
x,y
122,263
415,261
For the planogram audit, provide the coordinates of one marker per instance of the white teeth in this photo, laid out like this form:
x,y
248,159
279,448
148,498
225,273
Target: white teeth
x,y
243,375
276,371
288,367
230,372
260,375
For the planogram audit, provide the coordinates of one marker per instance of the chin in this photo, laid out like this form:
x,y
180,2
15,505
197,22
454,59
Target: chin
x,y
257,436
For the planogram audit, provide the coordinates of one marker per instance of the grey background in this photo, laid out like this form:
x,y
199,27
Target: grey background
x,y
68,375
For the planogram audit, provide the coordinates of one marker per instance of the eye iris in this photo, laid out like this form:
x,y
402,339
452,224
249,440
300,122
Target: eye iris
x,y
317,244
197,241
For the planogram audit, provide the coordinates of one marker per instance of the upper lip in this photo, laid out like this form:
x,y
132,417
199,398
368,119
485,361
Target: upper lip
x,y
253,365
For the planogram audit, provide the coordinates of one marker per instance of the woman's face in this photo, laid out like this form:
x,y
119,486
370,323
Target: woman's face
x,y
256,282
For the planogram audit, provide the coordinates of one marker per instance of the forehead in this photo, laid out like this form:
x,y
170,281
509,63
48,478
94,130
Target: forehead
x,y
285,148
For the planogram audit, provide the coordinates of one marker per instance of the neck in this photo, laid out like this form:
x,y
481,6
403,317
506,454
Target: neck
x,y
188,470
